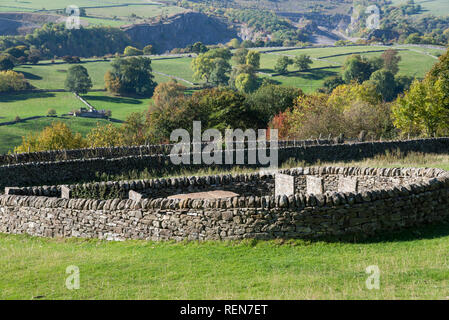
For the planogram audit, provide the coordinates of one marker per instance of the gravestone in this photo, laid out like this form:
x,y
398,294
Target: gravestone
x,y
135,196
66,193
284,185
315,185
348,184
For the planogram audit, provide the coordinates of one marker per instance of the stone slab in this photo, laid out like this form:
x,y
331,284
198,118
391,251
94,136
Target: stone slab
x,y
216,194
66,193
348,184
135,196
284,185
315,185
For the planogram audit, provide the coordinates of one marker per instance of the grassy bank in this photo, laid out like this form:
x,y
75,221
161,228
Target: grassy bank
x,y
413,265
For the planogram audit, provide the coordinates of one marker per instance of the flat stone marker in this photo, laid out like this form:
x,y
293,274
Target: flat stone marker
x,y
315,185
284,185
135,196
216,194
66,193
348,184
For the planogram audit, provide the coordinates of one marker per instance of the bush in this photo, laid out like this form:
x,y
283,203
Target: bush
x,y
51,113
11,81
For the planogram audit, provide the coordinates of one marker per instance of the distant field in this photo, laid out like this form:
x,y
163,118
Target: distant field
x,y
113,13
52,76
59,4
435,7
415,62
12,135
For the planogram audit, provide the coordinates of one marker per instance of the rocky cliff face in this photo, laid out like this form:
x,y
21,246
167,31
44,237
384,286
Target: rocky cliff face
x,y
181,30
15,23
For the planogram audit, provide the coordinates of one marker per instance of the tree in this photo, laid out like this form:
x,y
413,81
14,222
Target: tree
x,y
423,109
198,48
6,63
391,60
134,129
331,83
58,136
34,56
253,59
105,136
132,51
303,62
148,50
241,69
385,83
131,76
270,100
282,64
167,91
212,66
246,82
11,81
202,67
234,43
220,70
78,80
357,68
239,56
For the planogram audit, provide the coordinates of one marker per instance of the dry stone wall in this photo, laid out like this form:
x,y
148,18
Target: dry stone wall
x,y
85,170
390,199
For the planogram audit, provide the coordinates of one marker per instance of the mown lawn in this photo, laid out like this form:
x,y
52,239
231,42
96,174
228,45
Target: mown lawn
x,y
413,265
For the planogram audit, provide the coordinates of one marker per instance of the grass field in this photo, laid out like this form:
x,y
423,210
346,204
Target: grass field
x,y
12,135
113,13
414,264
37,104
435,7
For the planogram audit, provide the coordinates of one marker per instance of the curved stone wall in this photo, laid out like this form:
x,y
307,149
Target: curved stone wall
x,y
388,199
112,161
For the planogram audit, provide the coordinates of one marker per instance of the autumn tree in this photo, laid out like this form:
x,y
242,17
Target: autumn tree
x,y
167,91
391,60
58,136
11,81
132,51
105,136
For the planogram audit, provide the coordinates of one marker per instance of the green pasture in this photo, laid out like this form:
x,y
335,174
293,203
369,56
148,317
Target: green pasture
x,y
11,135
435,7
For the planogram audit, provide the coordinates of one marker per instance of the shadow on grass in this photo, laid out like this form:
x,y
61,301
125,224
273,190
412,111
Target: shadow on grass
x,y
431,231
30,76
11,97
111,99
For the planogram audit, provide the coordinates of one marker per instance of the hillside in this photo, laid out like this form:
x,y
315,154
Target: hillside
x,y
180,30
14,23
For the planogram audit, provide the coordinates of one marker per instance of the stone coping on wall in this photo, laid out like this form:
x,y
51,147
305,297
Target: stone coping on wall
x,y
437,179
